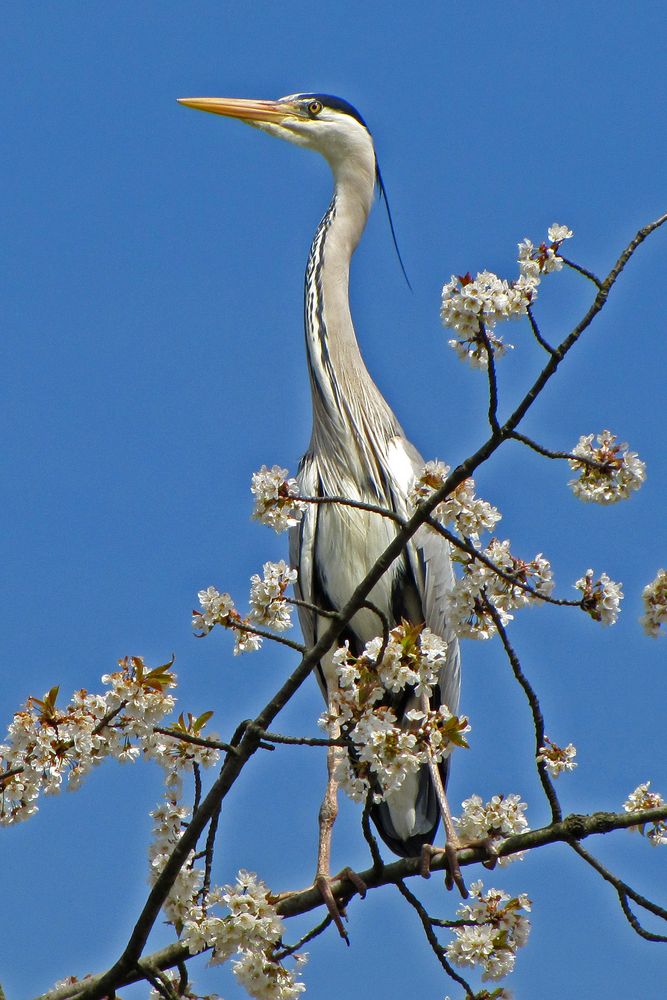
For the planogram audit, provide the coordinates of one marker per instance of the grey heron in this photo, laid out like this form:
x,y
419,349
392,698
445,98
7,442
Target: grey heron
x,y
357,450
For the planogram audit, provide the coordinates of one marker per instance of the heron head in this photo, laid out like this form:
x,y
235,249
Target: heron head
x,y
327,124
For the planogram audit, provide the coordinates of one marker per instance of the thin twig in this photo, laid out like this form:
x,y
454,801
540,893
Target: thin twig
x,y
158,981
369,836
239,626
210,846
303,741
492,380
581,270
437,948
536,333
196,772
570,456
288,950
538,719
198,741
624,891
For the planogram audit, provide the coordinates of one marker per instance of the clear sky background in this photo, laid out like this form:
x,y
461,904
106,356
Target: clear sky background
x,y
153,359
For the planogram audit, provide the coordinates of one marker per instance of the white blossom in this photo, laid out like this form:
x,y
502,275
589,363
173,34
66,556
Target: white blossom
x,y
601,599
169,819
557,233
622,470
467,602
276,502
50,746
267,596
469,515
557,759
216,609
494,929
473,306
501,817
386,750
654,597
252,929
642,799
246,642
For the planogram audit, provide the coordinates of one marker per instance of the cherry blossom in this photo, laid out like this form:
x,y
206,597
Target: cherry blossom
x,y
654,597
494,929
276,502
468,514
621,472
267,596
638,800
501,817
601,599
557,759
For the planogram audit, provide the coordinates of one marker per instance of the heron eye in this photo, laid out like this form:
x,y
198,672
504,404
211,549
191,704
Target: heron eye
x,y
314,107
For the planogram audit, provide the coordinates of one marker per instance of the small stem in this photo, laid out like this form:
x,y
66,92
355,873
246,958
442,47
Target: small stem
x,y
538,719
536,333
302,741
581,270
198,741
197,776
378,863
541,450
438,950
288,950
493,381
210,845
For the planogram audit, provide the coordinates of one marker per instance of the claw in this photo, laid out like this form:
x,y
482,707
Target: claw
x,y
355,879
336,912
453,876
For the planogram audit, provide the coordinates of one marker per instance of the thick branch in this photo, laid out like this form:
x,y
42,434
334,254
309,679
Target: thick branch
x,y
570,830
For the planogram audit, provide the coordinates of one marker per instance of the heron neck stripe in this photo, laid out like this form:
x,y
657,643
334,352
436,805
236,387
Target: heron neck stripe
x,y
322,370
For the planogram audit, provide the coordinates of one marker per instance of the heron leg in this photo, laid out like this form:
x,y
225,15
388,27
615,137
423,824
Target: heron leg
x,y
327,818
453,843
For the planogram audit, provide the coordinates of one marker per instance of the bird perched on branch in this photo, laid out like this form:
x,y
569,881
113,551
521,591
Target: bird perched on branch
x,y
358,451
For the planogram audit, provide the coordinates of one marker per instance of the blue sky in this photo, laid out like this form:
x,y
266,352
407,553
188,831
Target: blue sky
x,y
153,359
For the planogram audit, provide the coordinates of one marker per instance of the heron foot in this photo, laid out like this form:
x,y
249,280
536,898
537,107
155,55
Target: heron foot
x,y
453,876
336,909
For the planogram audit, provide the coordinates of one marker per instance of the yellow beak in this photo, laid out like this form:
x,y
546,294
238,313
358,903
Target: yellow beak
x,y
247,111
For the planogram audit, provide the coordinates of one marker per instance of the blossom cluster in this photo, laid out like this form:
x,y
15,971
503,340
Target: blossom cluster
x,y
251,929
384,751
615,475
472,307
468,514
642,799
276,498
267,596
502,816
48,744
601,598
494,929
480,588
268,608
169,819
654,597
557,759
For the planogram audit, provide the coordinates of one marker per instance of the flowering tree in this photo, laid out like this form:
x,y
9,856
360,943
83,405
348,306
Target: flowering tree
x,y
52,742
